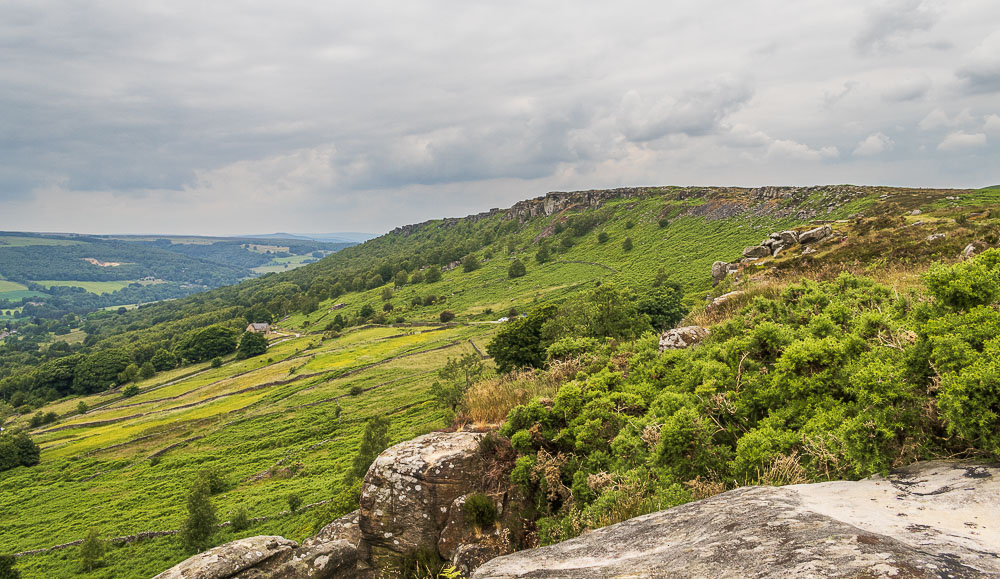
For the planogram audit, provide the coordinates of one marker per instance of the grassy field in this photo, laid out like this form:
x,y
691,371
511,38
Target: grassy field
x,y
279,264
17,241
94,287
14,291
259,410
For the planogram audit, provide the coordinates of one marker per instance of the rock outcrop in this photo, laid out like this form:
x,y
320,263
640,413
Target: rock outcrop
x,y
814,235
236,559
408,491
683,337
934,519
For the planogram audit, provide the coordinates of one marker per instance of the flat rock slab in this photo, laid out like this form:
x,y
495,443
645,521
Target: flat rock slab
x,y
231,559
934,519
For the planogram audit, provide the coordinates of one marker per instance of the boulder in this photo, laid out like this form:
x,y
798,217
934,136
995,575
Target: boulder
x,y
331,560
788,237
935,237
722,300
471,556
345,528
757,251
934,519
684,337
973,249
776,249
232,559
814,235
719,271
409,489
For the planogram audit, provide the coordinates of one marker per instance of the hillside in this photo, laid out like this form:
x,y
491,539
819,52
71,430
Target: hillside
x,y
360,334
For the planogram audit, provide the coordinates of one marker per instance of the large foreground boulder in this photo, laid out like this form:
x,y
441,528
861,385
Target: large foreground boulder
x,y
409,489
235,559
935,519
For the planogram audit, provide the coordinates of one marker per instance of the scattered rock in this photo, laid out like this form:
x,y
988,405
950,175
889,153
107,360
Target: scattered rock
x,y
973,249
719,301
719,271
933,519
757,251
935,237
409,489
679,338
816,234
789,237
232,558
808,250
777,248
916,212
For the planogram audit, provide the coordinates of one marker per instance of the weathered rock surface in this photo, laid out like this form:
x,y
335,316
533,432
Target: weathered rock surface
x,y
935,519
789,237
757,251
345,528
814,235
683,337
331,560
722,300
409,489
935,237
232,559
973,249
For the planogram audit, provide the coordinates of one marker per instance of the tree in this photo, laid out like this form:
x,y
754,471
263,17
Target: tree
x,y
92,550
216,362
199,526
458,376
543,254
664,306
602,237
366,312
400,279
147,370
294,502
82,407
374,440
7,570
163,360
627,244
18,450
516,269
130,373
519,342
208,343
99,370
447,316
386,294
470,263
433,274
251,344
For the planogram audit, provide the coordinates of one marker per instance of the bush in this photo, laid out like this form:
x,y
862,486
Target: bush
x,y
374,440
147,370
516,269
480,510
447,316
294,502
199,526
92,550
7,570
130,390
82,407
356,390
216,362
663,222
627,244
602,237
213,481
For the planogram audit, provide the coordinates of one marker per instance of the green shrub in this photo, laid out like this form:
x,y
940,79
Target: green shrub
x,y
294,502
480,510
240,519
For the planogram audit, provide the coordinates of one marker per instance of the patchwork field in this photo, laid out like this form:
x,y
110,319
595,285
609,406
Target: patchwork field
x,y
94,287
290,407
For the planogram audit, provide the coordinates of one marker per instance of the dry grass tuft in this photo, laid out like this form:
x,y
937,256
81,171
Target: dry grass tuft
x,y
488,401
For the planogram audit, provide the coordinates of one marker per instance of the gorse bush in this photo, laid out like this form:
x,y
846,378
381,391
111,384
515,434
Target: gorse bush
x,y
480,510
827,380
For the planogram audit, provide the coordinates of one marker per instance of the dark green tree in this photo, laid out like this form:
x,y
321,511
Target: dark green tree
x,y
366,312
627,244
374,440
447,316
163,360
602,237
198,528
519,342
664,306
147,370
208,343
470,263
542,255
7,570
516,269
92,550
99,370
433,274
400,279
251,344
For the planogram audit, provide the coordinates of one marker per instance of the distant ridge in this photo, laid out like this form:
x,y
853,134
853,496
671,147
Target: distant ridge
x,y
336,237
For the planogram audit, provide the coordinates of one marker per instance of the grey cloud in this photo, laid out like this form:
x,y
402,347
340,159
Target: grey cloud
x,y
909,90
695,112
890,23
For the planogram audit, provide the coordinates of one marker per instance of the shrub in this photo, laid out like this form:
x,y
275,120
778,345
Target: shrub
x,y
480,510
146,371
199,526
130,390
447,316
966,285
663,222
212,480
82,407
356,389
627,244
374,440
387,307
470,263
602,237
294,502
516,269
7,570
92,550
216,362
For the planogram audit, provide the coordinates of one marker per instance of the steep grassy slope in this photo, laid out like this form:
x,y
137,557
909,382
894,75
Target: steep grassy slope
x,y
116,467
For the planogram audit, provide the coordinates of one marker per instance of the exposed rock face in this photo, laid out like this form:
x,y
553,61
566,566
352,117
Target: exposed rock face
x,y
814,235
935,519
409,490
757,251
331,560
789,237
684,337
232,559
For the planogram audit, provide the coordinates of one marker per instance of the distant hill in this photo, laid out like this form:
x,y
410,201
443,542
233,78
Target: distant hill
x,y
336,237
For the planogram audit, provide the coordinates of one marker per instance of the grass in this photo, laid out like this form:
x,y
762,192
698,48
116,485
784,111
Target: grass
x,y
88,476
94,287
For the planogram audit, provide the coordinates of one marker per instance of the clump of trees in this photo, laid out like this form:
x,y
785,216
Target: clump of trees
x,y
251,344
18,450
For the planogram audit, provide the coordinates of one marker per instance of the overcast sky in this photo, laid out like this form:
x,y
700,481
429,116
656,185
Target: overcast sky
x,y
251,117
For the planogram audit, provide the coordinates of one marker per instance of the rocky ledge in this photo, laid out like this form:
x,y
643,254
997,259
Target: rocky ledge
x,y
933,519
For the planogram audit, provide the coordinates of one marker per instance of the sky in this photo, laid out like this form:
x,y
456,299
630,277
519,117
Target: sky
x,y
228,118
